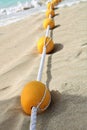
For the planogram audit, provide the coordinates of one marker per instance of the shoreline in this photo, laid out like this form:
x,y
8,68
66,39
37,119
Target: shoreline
x,y
23,14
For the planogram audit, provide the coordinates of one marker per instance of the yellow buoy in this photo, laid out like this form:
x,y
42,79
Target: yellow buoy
x,y
48,21
46,40
55,2
32,95
50,5
50,12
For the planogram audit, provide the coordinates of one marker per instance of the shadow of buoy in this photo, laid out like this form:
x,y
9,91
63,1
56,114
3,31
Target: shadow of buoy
x,y
55,15
57,47
56,26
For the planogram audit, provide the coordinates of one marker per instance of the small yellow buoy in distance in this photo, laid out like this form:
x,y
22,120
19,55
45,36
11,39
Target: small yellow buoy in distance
x,y
45,40
50,5
48,21
32,95
50,12
55,2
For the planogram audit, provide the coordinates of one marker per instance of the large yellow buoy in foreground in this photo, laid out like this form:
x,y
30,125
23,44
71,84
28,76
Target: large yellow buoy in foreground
x,y
45,40
50,12
50,22
32,95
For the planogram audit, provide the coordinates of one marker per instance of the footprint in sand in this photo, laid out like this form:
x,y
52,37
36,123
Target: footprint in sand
x,y
85,44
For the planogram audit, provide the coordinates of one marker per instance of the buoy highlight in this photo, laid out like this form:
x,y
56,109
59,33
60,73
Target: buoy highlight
x,y
50,22
50,12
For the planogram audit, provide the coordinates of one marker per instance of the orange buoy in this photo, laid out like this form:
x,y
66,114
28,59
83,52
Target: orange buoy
x,y
44,40
50,5
55,2
50,12
50,22
32,95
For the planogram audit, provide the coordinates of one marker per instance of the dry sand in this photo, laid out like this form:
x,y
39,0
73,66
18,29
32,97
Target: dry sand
x,y
65,70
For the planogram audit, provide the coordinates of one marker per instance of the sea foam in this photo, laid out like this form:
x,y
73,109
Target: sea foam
x,y
21,10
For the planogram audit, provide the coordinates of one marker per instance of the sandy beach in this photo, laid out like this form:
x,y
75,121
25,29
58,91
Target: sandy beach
x,y
65,70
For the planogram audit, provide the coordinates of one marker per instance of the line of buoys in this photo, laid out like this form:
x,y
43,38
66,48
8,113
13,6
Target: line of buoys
x,y
35,96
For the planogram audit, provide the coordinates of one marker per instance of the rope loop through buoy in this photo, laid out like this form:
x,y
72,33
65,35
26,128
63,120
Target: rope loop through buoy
x,y
46,43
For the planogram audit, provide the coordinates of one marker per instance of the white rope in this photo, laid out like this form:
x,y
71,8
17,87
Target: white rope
x,y
33,118
50,16
39,76
42,98
47,31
